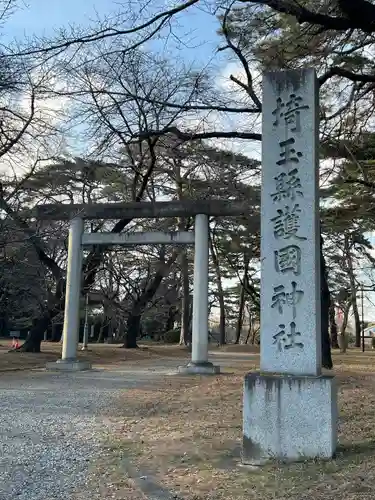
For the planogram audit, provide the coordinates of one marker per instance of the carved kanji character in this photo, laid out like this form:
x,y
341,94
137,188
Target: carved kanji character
x,y
290,112
287,186
281,298
288,259
287,340
289,155
278,112
286,223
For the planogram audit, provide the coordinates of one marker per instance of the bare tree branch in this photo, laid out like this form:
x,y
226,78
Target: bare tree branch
x,y
107,33
248,87
354,77
34,239
352,180
196,136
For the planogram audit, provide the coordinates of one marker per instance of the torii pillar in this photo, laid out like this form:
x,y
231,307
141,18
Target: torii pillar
x,y
199,363
69,361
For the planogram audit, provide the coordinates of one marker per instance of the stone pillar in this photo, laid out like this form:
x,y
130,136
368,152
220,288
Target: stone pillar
x,y
290,409
86,326
200,292
199,359
68,359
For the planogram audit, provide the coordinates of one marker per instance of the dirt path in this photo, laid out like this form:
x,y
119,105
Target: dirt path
x,y
53,427
132,431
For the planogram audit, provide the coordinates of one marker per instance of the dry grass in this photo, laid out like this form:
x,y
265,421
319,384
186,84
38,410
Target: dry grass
x,y
187,432
99,354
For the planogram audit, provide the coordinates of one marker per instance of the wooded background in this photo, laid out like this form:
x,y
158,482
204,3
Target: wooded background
x,y
104,114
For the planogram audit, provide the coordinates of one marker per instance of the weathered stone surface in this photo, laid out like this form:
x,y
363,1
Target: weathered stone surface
x,y
199,369
139,238
69,365
73,291
290,274
288,418
175,208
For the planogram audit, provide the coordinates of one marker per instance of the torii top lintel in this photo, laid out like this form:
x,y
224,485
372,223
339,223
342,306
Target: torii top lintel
x,y
143,210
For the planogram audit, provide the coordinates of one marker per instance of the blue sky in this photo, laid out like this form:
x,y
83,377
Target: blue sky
x,y
43,17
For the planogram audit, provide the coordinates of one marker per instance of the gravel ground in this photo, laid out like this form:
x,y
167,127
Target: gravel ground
x,y
53,426
51,431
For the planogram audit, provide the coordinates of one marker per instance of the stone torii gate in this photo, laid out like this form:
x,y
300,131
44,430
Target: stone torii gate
x,y
200,209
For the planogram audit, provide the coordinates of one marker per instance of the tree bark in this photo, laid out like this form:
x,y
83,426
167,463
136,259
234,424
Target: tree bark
x,y
353,290
169,324
357,321
36,334
325,304
249,331
345,318
90,266
342,338
57,329
240,316
186,332
185,336
100,339
133,330
255,331
133,325
333,326
242,301
219,284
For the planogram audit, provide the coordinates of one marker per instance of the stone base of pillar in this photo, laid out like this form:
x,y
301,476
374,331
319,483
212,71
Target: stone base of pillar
x,y
69,365
206,368
288,418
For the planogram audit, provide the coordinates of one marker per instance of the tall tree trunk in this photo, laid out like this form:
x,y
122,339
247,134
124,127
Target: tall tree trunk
x,y
90,267
185,336
169,324
219,284
255,331
133,331
3,322
36,334
240,316
100,339
325,304
343,327
133,325
249,330
190,319
357,321
57,330
241,308
345,318
186,333
121,330
353,290
333,326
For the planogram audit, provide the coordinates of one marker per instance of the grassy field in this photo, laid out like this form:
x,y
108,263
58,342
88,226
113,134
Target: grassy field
x,y
187,433
99,354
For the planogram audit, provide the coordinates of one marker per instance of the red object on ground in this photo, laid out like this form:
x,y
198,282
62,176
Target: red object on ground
x,y
15,344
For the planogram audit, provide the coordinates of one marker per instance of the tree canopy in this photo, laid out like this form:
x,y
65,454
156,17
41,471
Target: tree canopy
x,y
117,111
